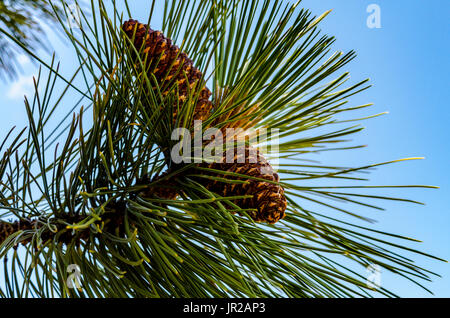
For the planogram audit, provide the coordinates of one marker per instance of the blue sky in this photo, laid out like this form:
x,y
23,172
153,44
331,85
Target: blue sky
x,y
407,62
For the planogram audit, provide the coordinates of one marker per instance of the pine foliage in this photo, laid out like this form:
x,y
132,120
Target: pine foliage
x,y
85,191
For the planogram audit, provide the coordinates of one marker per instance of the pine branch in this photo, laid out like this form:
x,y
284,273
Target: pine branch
x,y
174,69
101,183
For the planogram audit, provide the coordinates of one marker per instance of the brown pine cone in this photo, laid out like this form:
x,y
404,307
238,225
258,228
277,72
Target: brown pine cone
x,y
163,189
169,65
268,199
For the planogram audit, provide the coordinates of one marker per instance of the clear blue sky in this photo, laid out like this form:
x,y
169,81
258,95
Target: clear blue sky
x,y
407,62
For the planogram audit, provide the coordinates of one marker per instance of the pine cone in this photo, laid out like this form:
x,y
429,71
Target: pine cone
x,y
169,65
268,199
164,189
